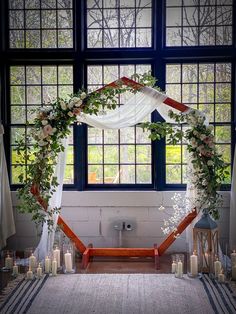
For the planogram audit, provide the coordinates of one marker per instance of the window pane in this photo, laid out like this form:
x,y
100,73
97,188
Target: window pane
x,y
194,23
114,24
207,87
30,86
117,156
40,24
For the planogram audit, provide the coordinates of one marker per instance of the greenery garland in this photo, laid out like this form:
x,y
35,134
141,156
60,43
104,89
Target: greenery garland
x,y
52,125
208,169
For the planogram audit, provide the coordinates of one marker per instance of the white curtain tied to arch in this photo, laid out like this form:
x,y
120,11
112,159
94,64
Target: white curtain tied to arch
x,y
7,223
138,107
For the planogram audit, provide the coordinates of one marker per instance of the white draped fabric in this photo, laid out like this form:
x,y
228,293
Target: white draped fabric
x,y
7,223
232,229
138,107
47,238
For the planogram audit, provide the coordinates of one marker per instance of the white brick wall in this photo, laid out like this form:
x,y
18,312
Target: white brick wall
x,y
91,215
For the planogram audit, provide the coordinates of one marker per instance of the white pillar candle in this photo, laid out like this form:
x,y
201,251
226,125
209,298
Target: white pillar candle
x,y
9,262
194,264
57,256
179,273
47,265
173,267
15,270
221,277
54,267
234,272
39,271
32,262
68,261
29,274
217,267
233,258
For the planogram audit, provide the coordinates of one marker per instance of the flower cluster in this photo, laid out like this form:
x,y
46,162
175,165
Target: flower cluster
x,y
181,207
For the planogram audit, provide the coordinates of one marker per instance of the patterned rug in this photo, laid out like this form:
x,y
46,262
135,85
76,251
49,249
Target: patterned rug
x,y
119,294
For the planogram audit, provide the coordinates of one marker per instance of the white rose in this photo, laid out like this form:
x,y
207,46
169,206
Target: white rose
x,y
79,103
83,95
202,137
71,105
63,105
41,135
42,143
210,163
195,133
44,122
70,114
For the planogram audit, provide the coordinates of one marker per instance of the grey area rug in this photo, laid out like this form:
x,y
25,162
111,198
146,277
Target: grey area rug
x,y
120,294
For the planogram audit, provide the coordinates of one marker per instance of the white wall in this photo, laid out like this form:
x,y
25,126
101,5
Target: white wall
x,y
91,215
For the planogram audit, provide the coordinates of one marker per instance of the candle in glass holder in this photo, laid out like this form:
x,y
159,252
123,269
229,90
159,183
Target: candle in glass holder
x,y
233,258
9,262
173,267
194,264
39,271
47,265
217,267
32,262
29,274
15,270
221,277
234,272
54,267
57,256
68,262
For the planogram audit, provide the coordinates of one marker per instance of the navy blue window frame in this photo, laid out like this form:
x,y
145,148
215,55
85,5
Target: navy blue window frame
x,y
79,56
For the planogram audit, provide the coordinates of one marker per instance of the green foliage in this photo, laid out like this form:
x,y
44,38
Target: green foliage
x,y
51,126
208,169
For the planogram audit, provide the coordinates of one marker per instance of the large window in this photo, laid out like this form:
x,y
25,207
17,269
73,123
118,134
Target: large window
x,y
52,48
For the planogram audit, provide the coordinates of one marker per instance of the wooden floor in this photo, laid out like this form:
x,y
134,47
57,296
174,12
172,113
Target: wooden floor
x,y
111,265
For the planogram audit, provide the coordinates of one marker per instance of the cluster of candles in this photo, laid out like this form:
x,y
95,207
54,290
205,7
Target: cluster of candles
x,y
35,269
177,267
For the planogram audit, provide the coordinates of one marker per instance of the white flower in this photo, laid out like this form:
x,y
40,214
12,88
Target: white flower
x,y
204,182
210,163
70,114
202,137
41,135
161,208
193,142
83,95
195,133
63,105
44,122
42,143
70,105
54,130
73,102
79,103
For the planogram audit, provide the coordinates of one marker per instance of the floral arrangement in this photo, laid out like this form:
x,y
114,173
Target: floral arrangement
x,y
207,169
51,126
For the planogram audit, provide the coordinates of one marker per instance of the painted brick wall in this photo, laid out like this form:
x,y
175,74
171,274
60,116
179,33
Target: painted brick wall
x,y
91,214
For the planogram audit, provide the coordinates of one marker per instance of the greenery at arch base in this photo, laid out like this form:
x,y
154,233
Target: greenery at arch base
x,y
52,125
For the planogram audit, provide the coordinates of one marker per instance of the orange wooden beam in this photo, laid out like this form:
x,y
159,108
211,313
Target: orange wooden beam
x,y
172,236
63,225
71,235
156,257
85,258
125,252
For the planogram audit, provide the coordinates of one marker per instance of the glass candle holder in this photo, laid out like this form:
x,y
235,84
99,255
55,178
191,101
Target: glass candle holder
x,y
68,258
30,259
8,257
177,266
